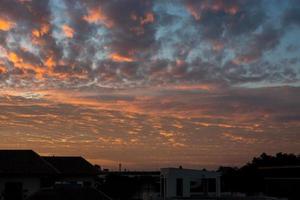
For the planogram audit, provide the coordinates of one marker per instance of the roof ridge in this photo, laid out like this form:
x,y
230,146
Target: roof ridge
x,y
47,163
50,165
30,162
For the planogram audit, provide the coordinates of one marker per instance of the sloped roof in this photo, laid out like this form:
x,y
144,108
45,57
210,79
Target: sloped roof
x,y
23,162
71,165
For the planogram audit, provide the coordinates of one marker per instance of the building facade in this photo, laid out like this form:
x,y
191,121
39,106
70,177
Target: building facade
x,y
188,183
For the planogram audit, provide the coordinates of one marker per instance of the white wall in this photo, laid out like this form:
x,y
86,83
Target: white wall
x,y
171,185
187,175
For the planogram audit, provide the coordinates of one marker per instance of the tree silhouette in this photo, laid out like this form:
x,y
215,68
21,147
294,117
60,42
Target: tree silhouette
x,y
250,178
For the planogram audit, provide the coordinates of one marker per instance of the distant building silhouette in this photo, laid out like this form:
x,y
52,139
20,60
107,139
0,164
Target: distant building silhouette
x,y
74,170
133,185
25,175
24,172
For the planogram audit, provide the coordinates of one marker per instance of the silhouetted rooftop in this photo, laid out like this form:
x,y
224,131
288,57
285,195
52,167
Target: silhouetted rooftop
x,y
71,165
28,162
23,162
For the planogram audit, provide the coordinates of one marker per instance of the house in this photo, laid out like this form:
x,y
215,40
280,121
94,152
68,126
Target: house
x,y
131,184
73,170
179,183
24,172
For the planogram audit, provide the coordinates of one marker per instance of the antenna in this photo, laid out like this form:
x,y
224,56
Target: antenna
x,y
120,167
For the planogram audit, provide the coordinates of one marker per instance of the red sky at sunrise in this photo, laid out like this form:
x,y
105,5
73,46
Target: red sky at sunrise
x,y
150,83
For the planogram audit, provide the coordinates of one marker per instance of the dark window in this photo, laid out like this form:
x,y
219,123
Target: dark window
x,y
196,186
211,185
179,187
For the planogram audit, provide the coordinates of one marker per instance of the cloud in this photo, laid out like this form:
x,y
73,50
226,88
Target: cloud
x,y
68,31
237,138
291,15
267,40
119,58
176,121
6,25
96,16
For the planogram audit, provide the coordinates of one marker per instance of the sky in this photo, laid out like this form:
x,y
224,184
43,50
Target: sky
x,y
151,84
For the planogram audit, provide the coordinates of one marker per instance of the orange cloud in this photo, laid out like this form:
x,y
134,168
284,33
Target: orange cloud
x,y
2,70
20,63
208,87
236,138
44,29
232,10
120,58
222,6
149,18
96,16
68,31
14,58
217,46
194,12
245,59
50,62
6,25
197,8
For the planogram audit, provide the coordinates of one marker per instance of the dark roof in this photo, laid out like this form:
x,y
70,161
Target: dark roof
x,y
72,165
132,173
23,162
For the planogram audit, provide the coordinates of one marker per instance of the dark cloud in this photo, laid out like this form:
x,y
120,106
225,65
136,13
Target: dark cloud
x,y
131,31
291,15
229,18
267,40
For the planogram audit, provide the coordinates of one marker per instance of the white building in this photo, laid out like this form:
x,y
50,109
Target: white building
x,y
188,183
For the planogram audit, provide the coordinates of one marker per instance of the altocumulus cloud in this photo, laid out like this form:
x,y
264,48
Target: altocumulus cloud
x,y
187,78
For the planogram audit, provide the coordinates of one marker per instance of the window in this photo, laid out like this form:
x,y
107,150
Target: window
x,y
211,185
179,187
196,186
162,186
